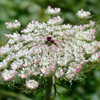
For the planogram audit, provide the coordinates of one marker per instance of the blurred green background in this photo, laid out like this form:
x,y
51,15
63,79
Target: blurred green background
x,y
27,10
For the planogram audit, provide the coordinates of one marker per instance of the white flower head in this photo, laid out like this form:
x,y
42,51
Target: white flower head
x,y
53,11
31,84
83,14
15,25
8,74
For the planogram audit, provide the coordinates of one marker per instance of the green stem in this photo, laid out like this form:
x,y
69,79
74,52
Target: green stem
x,y
48,89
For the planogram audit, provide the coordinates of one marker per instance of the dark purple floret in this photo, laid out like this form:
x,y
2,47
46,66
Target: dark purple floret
x,y
48,38
52,41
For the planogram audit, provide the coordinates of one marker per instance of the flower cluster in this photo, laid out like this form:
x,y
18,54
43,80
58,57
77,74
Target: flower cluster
x,y
48,50
83,14
55,20
14,25
31,84
52,11
8,74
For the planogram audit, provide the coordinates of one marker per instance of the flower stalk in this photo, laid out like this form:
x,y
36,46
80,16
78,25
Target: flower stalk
x,y
48,89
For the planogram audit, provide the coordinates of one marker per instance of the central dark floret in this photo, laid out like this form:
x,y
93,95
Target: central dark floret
x,y
48,38
49,41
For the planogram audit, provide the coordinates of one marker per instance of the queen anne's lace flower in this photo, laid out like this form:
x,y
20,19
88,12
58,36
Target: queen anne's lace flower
x,y
48,50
